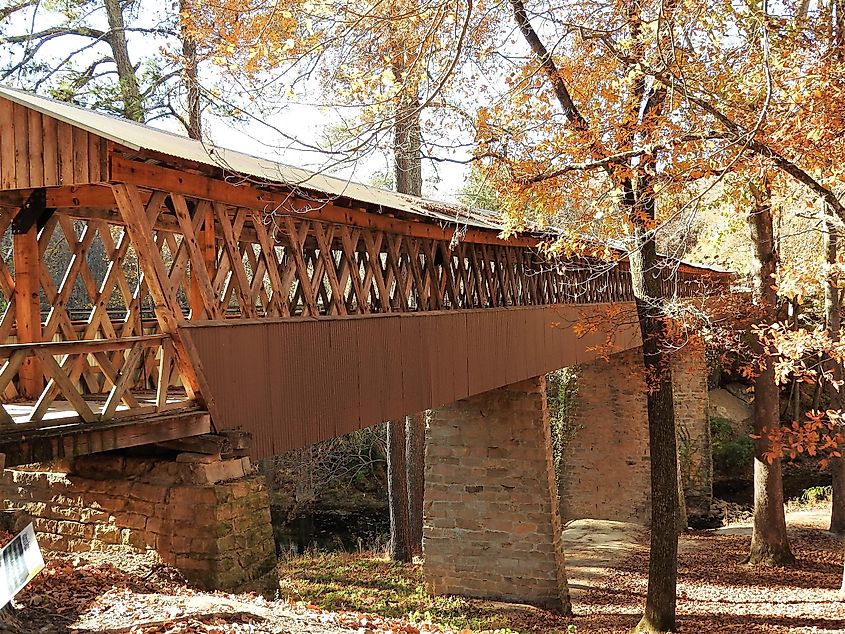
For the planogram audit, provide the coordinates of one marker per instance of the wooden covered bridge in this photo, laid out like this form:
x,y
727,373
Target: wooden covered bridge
x,y
155,288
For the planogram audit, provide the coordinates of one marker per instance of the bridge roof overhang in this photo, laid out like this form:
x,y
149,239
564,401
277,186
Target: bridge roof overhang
x,y
238,167
152,158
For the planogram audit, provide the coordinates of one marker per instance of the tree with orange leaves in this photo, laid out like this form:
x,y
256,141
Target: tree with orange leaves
x,y
640,108
615,115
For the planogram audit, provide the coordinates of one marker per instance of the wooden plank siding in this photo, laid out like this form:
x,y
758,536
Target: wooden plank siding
x,y
298,381
37,150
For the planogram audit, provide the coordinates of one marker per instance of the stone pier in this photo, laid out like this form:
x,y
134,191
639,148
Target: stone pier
x,y
695,456
606,466
492,527
208,517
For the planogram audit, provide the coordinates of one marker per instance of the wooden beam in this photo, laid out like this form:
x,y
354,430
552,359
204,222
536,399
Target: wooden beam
x,y
97,201
89,346
67,197
82,439
195,185
167,308
28,307
224,442
63,383
207,245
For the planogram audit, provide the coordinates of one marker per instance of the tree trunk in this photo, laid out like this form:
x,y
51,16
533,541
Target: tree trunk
x,y
636,181
133,107
190,78
407,137
407,142
683,518
842,587
833,324
415,468
769,542
660,607
407,166
397,492
837,511
649,294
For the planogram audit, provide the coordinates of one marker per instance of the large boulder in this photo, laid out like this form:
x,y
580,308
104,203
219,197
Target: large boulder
x,y
732,403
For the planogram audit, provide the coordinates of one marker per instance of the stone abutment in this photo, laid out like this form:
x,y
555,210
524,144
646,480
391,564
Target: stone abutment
x,y
605,465
206,516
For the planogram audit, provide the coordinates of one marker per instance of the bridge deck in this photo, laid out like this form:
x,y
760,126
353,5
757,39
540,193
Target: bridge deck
x,y
68,440
63,412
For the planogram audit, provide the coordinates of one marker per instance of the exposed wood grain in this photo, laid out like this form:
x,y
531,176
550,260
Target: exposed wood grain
x,y
60,381
82,439
35,152
203,259
7,147
66,159
27,261
21,127
51,151
10,368
113,376
80,156
123,381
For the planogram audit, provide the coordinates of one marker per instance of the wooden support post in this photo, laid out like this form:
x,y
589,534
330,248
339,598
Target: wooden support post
x,y
208,246
28,306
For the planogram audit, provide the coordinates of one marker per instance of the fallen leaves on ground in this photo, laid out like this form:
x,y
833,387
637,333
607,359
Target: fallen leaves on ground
x,y
716,593
77,597
719,593
370,583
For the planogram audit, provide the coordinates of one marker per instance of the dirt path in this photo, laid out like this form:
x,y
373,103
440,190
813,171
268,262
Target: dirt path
x,y
716,591
594,547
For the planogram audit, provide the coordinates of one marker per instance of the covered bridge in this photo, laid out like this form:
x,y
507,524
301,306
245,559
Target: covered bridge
x,y
159,288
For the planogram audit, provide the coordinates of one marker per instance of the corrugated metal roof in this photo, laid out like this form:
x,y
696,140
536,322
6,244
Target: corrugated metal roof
x,y
138,136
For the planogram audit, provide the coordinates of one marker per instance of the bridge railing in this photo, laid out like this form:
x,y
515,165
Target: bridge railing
x,y
50,383
77,280
89,283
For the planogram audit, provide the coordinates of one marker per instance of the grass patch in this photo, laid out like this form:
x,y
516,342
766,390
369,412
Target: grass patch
x,y
813,498
368,582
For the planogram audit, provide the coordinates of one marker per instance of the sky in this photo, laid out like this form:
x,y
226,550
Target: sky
x,y
266,136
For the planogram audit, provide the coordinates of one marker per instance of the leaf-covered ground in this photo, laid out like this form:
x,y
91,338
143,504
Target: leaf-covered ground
x,y
364,593
718,593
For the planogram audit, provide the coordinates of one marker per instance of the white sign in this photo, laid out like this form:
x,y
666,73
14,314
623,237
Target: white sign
x,y
20,561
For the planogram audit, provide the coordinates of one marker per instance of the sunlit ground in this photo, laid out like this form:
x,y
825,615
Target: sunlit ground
x,y
332,594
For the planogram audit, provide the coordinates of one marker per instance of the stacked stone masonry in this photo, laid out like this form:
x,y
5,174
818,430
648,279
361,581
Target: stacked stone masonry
x,y
491,522
695,457
606,466
208,518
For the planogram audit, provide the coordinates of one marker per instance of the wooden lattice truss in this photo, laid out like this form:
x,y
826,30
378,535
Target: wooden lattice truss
x,y
97,327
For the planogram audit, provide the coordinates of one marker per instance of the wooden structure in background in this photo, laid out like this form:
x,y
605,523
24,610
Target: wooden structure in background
x,y
152,289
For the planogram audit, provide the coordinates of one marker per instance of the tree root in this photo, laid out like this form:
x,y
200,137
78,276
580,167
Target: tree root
x,y
770,559
645,626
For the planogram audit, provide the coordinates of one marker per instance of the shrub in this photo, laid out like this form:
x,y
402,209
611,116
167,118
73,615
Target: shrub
x,y
817,495
731,452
